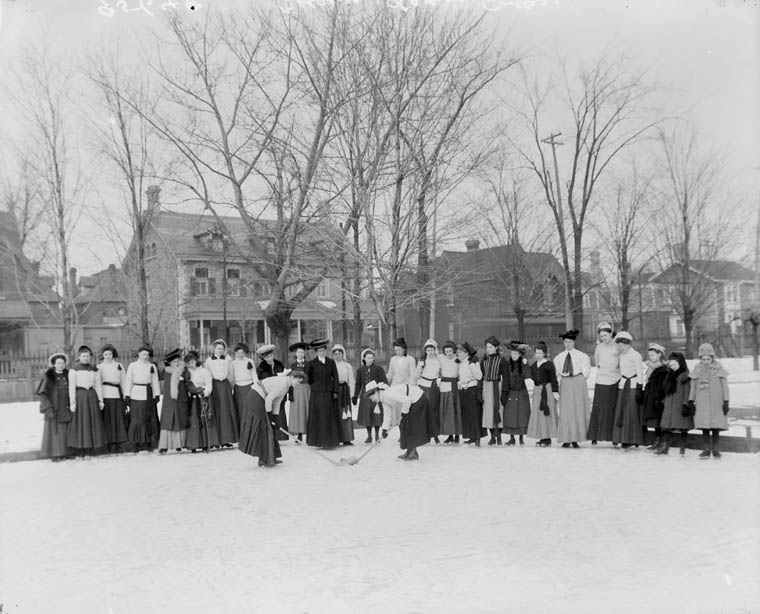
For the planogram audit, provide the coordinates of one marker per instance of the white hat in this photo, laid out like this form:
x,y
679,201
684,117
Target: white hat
x,y
371,387
265,349
338,347
366,351
623,336
430,342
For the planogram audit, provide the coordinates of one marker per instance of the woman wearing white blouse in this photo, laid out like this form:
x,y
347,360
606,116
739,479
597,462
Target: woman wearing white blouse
x,y
428,375
627,429
470,393
112,378
401,370
141,394
573,368
346,383
226,418
86,432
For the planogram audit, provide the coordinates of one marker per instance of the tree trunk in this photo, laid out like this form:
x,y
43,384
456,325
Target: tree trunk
x,y
358,324
577,297
343,299
423,273
279,324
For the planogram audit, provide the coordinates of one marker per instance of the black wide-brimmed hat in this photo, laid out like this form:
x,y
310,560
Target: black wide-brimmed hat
x,y
517,346
173,355
570,334
300,345
319,343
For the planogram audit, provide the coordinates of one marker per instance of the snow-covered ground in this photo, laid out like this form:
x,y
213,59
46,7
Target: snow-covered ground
x,y
523,530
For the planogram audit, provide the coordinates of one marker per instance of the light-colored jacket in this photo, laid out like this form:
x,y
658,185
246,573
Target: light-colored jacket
x,y
709,388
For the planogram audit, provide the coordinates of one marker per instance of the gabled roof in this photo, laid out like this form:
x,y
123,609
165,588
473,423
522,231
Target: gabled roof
x,y
717,270
482,260
108,286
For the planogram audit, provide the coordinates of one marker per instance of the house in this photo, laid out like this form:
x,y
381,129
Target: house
x,y
203,281
101,303
29,304
504,291
724,292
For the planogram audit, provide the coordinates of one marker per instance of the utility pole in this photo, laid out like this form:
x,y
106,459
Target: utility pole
x,y
755,315
552,140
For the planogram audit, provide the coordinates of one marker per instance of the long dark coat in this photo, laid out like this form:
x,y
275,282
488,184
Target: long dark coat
x,y
323,428
654,393
175,414
364,374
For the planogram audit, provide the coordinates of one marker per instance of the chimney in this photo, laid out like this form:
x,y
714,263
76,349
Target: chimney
x,y
154,205
472,245
73,281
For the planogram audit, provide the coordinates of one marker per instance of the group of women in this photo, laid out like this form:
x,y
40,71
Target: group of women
x,y
451,393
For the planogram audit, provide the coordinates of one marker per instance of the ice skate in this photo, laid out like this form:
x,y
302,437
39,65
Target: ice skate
x,y
705,454
368,440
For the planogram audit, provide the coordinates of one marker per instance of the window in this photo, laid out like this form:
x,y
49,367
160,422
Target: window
x,y
217,244
271,243
233,282
679,329
323,289
732,295
200,285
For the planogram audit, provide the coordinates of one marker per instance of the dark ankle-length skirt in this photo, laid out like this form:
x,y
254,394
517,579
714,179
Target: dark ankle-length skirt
x,y
86,430
603,412
472,413
54,439
257,437
344,407
627,414
323,429
517,412
144,427
449,408
432,394
417,425
115,421
224,407
203,432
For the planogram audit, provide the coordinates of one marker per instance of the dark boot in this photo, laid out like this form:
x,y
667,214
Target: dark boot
x,y
682,449
456,438
369,436
436,440
511,441
385,434
706,444
663,447
449,439
405,455
412,455
522,441
498,437
377,433
575,444
715,436
492,441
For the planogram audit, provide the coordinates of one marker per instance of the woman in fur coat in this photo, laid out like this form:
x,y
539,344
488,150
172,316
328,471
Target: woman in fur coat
x,y
654,379
677,419
53,391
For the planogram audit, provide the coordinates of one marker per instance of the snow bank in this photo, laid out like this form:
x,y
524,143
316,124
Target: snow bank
x,y
463,530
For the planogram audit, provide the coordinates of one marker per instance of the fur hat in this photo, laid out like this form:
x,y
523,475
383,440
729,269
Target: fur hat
x,y
518,346
706,349
266,349
109,348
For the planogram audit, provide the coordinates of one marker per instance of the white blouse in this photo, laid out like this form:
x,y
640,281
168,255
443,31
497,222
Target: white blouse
x,y
581,363
276,388
219,368
449,366
631,369
201,377
345,374
240,374
401,370
139,372
83,379
110,372
397,394
469,374
431,370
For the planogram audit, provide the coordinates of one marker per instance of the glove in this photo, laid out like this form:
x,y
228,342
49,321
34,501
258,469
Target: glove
x,y
354,400
335,396
725,408
546,410
503,399
639,395
73,407
157,399
692,408
127,402
685,410
291,398
273,421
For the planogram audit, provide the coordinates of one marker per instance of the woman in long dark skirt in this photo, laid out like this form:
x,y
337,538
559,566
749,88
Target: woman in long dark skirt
x,y
607,361
428,373
257,430
495,372
324,419
369,414
86,435
219,366
175,418
677,418
269,367
627,429
449,408
417,421
112,379
654,379
202,433
514,394
543,417
243,375
53,391
346,383
470,394
141,395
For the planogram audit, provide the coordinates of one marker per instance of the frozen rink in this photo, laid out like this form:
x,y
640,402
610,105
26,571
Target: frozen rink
x,y
523,530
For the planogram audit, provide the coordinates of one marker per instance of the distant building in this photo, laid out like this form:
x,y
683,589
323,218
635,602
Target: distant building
x,y
101,302
29,309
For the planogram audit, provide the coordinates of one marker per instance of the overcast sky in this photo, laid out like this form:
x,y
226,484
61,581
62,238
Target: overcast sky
x,y
705,52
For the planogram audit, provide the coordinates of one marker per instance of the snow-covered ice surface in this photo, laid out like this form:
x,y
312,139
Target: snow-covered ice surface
x,y
523,530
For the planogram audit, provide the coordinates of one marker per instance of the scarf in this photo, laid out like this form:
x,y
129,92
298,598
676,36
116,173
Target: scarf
x,y
174,382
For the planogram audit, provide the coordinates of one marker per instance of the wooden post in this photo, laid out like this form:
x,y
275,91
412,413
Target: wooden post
x,y
29,381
